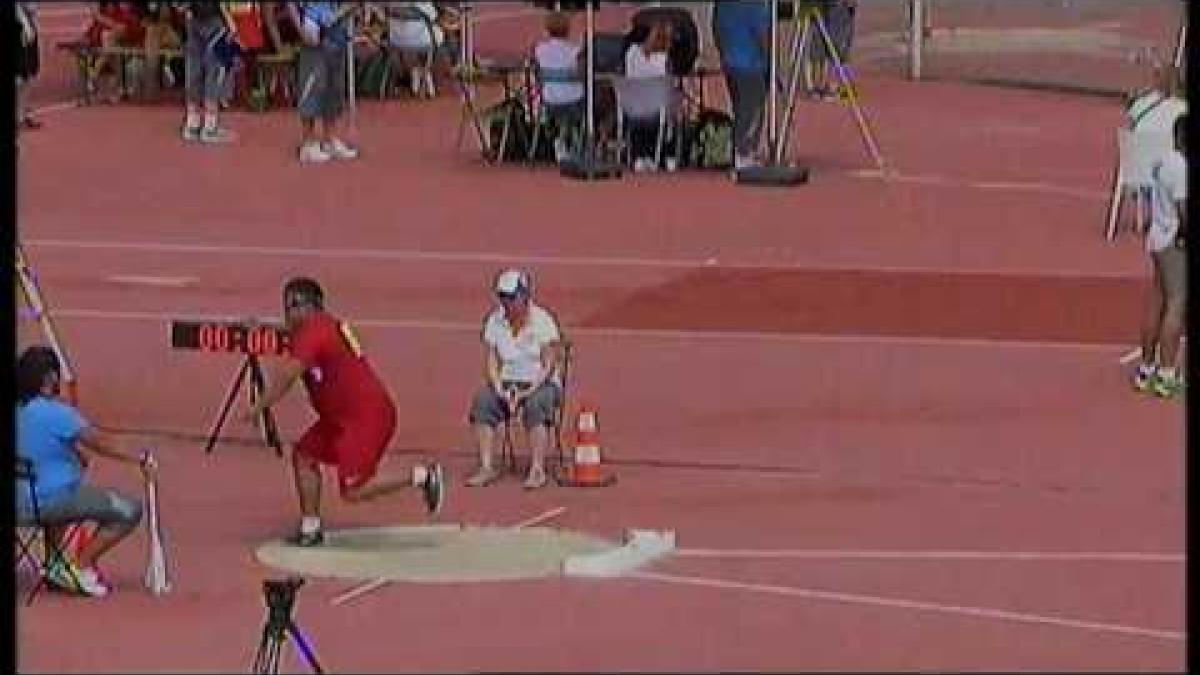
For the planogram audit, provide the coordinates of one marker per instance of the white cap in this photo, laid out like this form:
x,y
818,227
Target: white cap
x,y
512,281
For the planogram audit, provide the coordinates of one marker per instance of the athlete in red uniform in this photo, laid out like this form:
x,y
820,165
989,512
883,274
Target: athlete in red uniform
x,y
355,414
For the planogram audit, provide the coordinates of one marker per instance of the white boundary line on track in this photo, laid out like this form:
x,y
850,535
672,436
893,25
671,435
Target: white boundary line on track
x,y
665,334
55,107
512,258
900,603
836,554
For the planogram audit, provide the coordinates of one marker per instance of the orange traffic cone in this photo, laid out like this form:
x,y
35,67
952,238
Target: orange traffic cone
x,y
586,471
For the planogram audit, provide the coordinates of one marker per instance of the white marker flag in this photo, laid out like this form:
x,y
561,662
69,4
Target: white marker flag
x,y
157,580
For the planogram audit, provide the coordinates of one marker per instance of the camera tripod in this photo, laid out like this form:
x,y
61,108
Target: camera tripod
x,y
811,26
281,597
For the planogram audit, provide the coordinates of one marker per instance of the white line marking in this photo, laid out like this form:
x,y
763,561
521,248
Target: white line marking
x,y
899,603
1131,356
541,517
360,590
834,554
531,258
55,107
948,181
645,333
149,280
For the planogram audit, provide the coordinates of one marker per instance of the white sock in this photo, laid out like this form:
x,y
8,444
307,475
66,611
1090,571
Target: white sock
x,y
419,474
210,121
310,524
192,120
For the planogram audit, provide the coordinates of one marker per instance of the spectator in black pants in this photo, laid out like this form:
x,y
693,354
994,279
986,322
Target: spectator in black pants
x,y
743,35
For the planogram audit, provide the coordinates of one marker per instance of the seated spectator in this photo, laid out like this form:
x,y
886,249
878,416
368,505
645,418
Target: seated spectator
x,y
51,434
414,37
113,25
557,58
521,376
646,60
162,26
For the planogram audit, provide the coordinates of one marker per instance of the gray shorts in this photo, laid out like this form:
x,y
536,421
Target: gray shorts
x,y
105,506
321,81
203,75
538,409
1170,273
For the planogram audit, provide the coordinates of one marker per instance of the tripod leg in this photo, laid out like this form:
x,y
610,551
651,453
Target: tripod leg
x,y
851,94
225,408
305,648
258,385
799,44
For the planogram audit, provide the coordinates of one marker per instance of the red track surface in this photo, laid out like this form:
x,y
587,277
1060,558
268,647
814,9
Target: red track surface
x,y
928,364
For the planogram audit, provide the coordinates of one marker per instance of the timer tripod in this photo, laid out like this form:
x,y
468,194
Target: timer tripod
x,y
251,374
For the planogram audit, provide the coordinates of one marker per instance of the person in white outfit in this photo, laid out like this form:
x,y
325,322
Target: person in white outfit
x,y
557,58
644,60
1166,240
522,348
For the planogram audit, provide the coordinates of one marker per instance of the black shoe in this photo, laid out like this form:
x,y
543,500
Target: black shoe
x,y
311,539
434,488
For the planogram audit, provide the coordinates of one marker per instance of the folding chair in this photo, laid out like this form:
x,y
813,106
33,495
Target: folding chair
x,y
1137,153
570,114
428,54
647,99
53,548
508,455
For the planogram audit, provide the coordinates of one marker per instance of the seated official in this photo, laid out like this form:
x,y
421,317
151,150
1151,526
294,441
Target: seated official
x,y
50,435
521,376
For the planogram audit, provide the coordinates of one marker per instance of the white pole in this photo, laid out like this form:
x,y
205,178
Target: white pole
x,y
916,41
1181,44
773,102
350,88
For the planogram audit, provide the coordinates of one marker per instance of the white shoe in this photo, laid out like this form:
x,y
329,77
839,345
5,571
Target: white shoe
x,y
740,162
560,150
313,153
672,164
644,165
337,149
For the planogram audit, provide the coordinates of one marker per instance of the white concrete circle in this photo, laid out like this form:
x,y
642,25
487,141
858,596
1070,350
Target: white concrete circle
x,y
435,553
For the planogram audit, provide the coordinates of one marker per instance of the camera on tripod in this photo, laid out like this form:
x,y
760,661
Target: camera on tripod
x,y
280,595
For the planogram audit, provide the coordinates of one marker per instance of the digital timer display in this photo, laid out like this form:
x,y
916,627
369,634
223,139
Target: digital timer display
x,y
230,337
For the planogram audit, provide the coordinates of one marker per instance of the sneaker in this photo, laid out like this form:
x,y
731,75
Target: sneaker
x,y
307,539
643,165
338,149
483,477
216,135
434,487
1143,378
91,584
313,153
70,577
536,479
1168,386
190,134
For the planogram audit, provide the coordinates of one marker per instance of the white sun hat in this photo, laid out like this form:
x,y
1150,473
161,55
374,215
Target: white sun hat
x,y
512,281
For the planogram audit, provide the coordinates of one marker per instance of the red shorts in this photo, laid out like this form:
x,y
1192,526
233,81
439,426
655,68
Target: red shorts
x,y
354,446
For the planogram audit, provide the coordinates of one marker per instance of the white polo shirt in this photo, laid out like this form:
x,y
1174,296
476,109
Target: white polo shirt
x,y
520,354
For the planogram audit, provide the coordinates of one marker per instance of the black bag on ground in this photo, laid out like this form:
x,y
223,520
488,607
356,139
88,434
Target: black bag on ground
x,y
516,145
708,140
